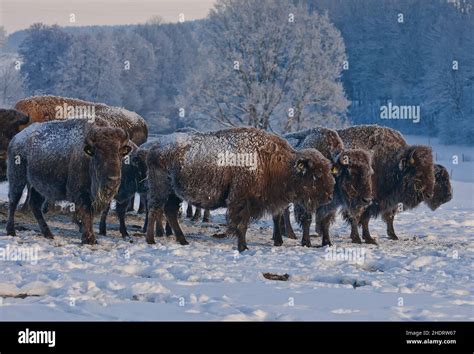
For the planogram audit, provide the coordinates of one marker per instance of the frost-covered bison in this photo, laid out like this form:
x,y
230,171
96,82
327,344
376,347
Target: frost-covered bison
x,y
247,170
11,122
403,174
442,194
352,192
133,180
71,160
48,108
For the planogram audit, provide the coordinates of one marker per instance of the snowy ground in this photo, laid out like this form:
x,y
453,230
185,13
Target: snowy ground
x,y
427,275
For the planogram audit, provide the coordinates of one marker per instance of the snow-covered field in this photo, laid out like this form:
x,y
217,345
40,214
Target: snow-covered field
x,y
426,275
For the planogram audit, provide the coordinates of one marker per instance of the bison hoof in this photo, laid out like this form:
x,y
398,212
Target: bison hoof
x,y
393,237
306,243
89,241
150,241
292,235
206,220
11,233
103,232
327,243
356,240
370,241
182,242
49,235
277,243
242,247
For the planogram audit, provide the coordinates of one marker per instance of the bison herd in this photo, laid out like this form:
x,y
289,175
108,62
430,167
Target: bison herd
x,y
90,160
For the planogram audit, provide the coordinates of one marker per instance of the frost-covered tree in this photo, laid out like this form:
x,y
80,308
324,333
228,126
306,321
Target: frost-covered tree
x,y
41,51
11,81
268,64
90,70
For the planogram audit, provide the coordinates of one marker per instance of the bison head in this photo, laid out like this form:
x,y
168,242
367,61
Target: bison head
x,y
314,182
353,172
442,189
417,175
105,147
10,123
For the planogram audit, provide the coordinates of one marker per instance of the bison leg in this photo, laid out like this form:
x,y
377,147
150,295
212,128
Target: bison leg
x,y
388,218
155,214
159,231
142,205
189,211
354,222
322,226
277,239
239,218
288,228
171,212
103,221
86,215
121,210
36,202
168,229
145,224
14,195
197,214
207,215
304,218
365,229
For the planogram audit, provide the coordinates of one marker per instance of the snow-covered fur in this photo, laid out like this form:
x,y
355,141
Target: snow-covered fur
x,y
353,190
70,160
191,167
11,122
402,173
46,108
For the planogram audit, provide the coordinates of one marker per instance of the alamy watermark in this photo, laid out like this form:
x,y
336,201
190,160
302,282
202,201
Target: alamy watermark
x,y
346,254
391,111
75,111
24,254
237,159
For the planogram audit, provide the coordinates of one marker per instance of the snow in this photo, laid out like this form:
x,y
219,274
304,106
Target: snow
x,y
426,275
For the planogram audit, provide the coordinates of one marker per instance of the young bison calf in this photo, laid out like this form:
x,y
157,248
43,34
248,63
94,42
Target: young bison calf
x,y
69,160
247,170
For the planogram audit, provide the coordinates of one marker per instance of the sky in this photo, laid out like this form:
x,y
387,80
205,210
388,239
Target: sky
x,y
20,14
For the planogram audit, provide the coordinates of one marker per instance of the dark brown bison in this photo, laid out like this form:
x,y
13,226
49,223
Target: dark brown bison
x,y
10,124
71,160
442,194
353,189
133,180
247,170
403,174
48,108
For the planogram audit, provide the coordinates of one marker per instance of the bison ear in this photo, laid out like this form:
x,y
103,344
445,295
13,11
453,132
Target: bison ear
x,y
302,166
335,170
89,150
125,150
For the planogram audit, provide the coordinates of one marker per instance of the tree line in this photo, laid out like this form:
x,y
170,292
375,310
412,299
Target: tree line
x,y
278,65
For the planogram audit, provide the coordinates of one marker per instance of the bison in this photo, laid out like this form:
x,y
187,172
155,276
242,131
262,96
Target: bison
x,y
403,174
247,170
353,190
71,160
47,108
133,180
442,193
11,122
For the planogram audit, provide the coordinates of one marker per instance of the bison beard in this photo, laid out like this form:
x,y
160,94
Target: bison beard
x,y
184,167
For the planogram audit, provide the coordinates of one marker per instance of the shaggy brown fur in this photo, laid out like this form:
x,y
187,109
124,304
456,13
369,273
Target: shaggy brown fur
x,y
353,190
402,173
441,195
69,160
45,108
11,122
186,166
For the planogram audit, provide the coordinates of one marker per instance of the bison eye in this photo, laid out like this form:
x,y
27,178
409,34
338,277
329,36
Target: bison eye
x,y
89,150
125,150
